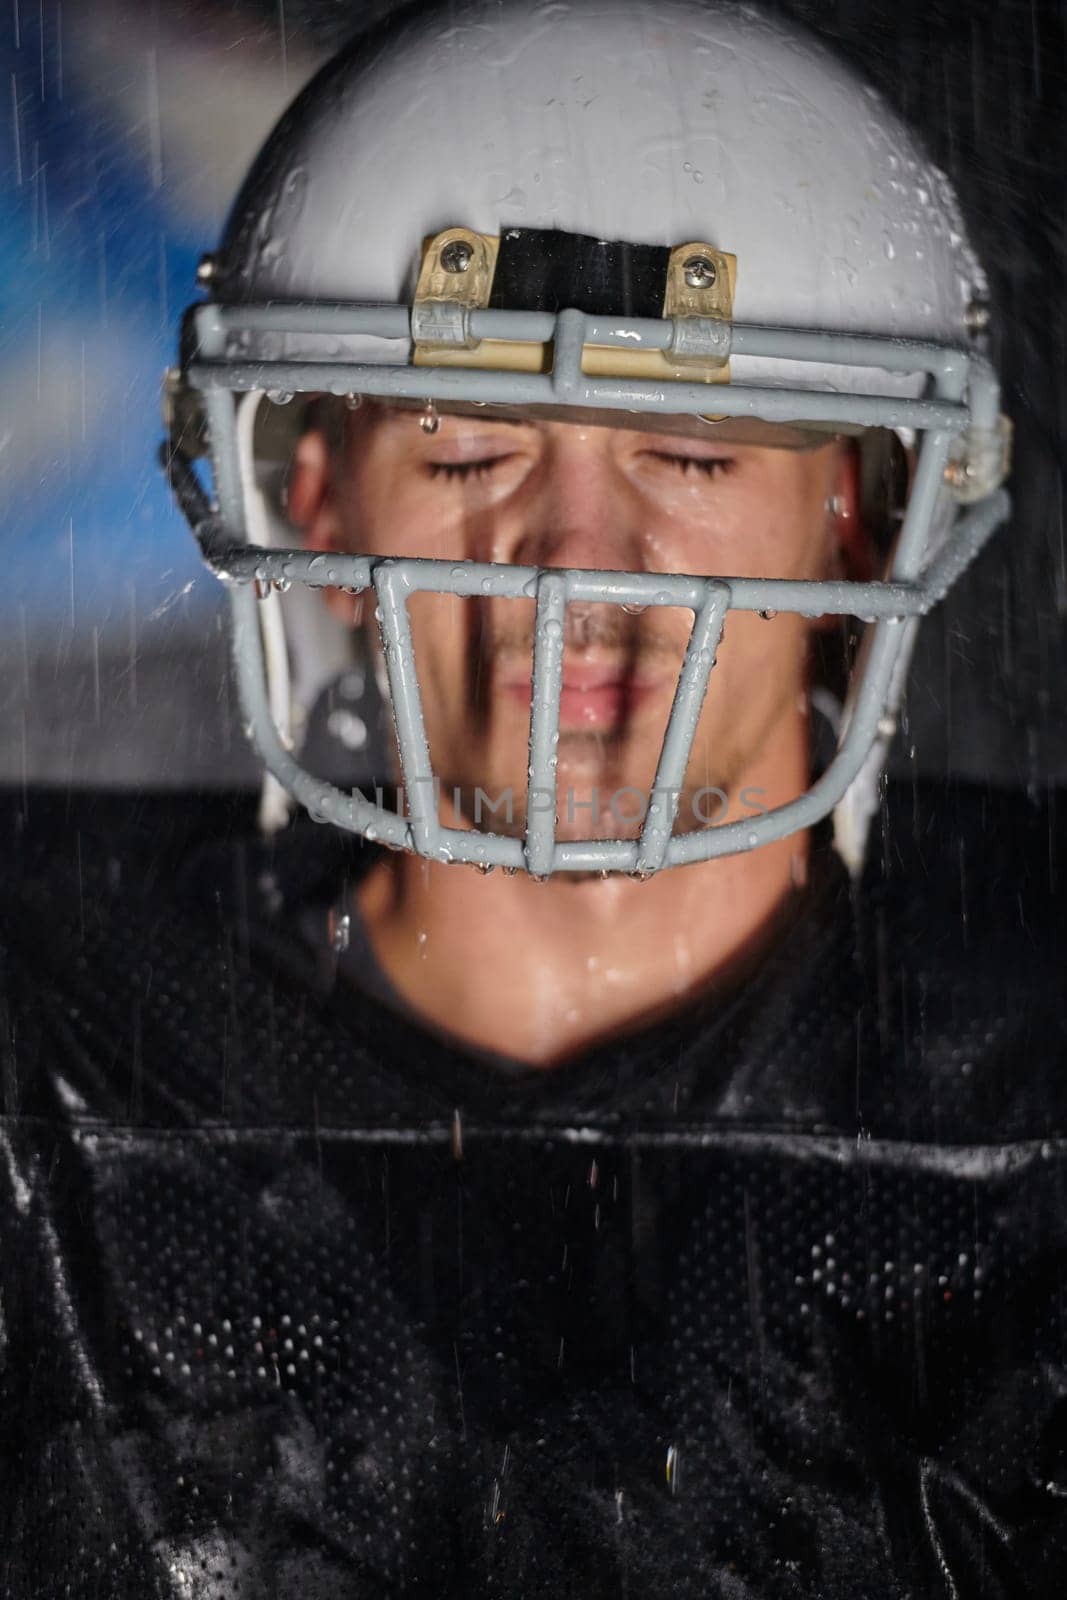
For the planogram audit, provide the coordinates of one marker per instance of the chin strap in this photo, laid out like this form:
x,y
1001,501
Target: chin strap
x,y
275,803
858,806
214,540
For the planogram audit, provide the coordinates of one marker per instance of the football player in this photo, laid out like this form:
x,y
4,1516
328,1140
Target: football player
x,y
574,1162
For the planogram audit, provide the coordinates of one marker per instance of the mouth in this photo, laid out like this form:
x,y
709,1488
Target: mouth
x,y
593,696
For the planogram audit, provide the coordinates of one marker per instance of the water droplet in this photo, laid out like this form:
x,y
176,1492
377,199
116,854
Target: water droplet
x,y
279,397
283,585
632,609
672,1469
768,615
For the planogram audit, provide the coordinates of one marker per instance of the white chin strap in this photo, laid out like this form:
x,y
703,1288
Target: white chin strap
x,y
274,801
304,646
858,806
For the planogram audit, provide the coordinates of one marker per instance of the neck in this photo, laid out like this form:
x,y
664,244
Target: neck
x,y
541,971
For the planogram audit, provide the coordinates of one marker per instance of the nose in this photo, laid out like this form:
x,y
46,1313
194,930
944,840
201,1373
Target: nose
x,y
580,510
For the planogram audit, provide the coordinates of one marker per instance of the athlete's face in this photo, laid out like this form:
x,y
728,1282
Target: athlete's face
x,y
562,495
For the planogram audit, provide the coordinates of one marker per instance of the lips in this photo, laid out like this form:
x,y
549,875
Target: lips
x,y
592,696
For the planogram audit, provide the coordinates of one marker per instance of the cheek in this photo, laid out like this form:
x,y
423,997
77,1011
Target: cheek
x,y
761,663
784,529
792,548
391,512
765,524
454,638
756,695
441,632
408,514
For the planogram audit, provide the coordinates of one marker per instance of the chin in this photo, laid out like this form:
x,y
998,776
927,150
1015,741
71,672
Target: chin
x,y
602,789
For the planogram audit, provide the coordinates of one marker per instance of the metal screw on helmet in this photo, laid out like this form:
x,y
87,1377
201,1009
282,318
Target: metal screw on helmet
x,y
457,255
699,272
207,270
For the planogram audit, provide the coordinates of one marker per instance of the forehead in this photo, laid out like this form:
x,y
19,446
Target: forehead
x,y
399,415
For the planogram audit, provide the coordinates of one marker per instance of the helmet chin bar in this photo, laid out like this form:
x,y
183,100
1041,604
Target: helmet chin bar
x,y
963,445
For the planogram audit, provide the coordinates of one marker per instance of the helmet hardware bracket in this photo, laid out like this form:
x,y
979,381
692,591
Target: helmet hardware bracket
x,y
456,279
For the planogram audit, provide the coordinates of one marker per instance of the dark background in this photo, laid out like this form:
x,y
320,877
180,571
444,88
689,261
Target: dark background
x,y
131,125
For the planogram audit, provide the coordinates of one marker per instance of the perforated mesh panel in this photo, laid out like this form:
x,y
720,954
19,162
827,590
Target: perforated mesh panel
x,y
296,1302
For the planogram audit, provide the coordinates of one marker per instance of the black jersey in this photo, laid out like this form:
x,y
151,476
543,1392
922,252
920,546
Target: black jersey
x,y
299,1301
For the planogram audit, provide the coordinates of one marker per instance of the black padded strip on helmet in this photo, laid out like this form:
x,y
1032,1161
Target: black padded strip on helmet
x,y
545,269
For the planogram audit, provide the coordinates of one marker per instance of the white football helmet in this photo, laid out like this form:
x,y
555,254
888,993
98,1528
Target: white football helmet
x,y
689,211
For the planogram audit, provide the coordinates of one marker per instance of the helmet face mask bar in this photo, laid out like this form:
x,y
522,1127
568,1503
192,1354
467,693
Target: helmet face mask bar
x,y
963,405
460,342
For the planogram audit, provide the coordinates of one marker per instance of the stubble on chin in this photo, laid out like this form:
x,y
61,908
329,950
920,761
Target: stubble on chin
x,y
596,798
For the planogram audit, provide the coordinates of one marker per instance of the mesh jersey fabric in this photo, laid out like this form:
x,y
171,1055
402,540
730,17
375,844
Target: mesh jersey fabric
x,y
767,1301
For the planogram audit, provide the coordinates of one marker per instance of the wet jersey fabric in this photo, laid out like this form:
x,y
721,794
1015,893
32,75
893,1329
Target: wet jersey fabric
x,y
298,1301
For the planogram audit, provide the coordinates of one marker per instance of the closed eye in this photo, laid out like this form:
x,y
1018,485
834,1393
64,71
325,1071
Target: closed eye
x,y
709,466
465,469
